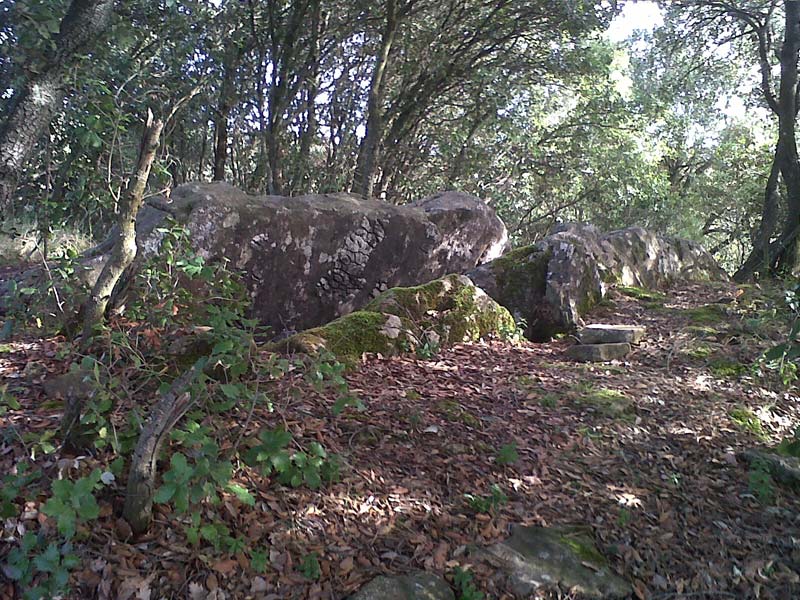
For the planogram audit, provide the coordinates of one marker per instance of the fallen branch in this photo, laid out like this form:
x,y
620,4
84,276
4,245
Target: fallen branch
x,y
138,511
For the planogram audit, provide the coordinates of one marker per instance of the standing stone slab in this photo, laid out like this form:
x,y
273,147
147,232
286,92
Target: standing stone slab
x,y
600,333
534,557
414,586
598,352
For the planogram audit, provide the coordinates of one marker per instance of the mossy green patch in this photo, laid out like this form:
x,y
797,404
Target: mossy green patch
x,y
749,421
654,305
6,348
453,411
709,314
641,294
451,306
441,313
702,331
583,547
725,367
521,277
700,352
611,403
350,336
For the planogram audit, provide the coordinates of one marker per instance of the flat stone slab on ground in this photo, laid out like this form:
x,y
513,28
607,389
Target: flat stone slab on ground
x,y
598,352
414,586
537,556
601,333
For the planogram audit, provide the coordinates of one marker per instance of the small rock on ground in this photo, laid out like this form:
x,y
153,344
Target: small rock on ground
x,y
414,586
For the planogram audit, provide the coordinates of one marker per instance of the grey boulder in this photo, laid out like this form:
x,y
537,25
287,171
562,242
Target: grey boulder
x,y
414,586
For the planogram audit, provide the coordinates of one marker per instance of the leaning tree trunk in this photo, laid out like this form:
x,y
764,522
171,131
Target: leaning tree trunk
x,y
138,510
35,104
124,251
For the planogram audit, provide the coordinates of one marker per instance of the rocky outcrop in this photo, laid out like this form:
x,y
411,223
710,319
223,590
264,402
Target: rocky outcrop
x,y
309,259
440,313
551,284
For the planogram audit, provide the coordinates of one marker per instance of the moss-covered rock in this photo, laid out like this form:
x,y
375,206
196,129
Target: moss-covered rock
x,y
440,313
518,281
553,283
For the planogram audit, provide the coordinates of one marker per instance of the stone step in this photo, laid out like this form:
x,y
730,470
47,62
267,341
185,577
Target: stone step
x,y
601,333
598,352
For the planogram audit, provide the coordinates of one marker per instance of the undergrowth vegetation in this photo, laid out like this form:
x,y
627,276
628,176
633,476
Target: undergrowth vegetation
x,y
180,312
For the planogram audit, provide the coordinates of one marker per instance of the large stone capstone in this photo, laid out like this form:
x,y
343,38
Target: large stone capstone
x,y
307,260
551,284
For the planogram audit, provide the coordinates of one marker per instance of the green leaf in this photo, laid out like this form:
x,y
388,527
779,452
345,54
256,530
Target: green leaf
x,y
241,492
231,390
165,493
48,561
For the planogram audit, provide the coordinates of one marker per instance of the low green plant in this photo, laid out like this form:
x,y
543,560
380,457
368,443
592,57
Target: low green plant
x,y
790,446
7,401
310,567
312,466
516,334
40,568
429,348
326,372
783,358
73,502
465,587
760,482
188,483
259,560
549,400
489,503
13,486
507,454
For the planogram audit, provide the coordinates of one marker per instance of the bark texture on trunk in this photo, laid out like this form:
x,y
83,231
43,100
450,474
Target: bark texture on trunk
x,y
760,257
780,255
41,97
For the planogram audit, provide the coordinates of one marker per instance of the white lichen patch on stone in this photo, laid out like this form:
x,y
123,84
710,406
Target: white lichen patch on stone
x,y
392,328
230,220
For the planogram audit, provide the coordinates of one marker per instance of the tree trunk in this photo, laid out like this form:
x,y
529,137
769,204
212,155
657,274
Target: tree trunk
x,y
226,101
124,251
138,510
787,142
760,258
38,100
364,179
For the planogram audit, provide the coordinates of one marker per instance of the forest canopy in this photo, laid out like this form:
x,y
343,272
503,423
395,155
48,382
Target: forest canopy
x,y
533,106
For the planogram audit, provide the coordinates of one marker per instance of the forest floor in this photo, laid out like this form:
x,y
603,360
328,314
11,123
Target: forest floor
x,y
668,500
